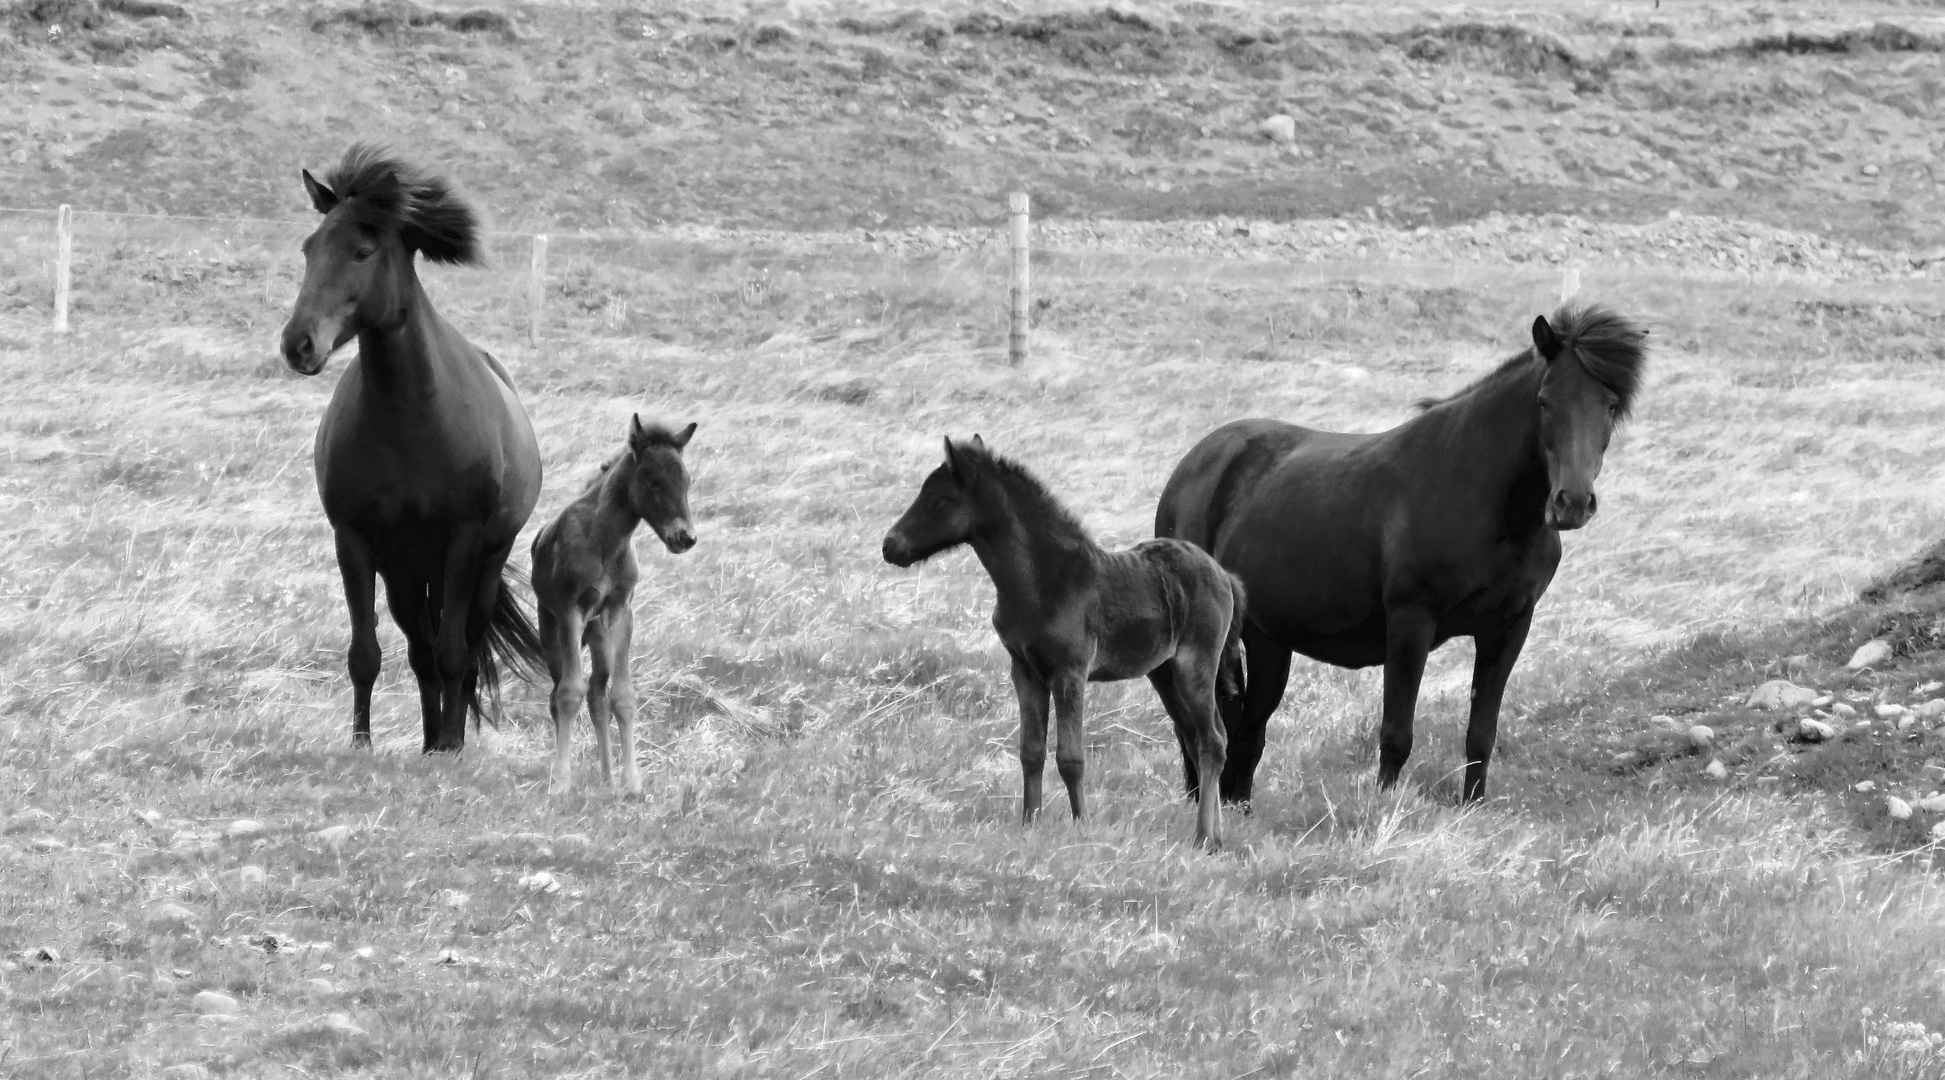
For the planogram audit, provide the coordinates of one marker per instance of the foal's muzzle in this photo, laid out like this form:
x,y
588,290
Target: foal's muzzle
x,y
679,536
1568,510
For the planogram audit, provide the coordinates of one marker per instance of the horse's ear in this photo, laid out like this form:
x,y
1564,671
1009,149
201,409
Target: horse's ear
x,y
323,198
637,434
978,443
1545,341
682,437
952,459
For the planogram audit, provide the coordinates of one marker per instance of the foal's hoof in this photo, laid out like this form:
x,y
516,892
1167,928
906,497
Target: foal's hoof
x,y
361,740
1209,846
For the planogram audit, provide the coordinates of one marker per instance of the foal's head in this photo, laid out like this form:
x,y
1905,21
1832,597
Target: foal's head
x,y
944,514
358,271
655,484
1593,363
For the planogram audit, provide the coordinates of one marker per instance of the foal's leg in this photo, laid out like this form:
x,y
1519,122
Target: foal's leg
x,y
560,636
1248,721
1492,663
1199,728
596,636
1408,637
359,570
1070,754
621,693
1033,737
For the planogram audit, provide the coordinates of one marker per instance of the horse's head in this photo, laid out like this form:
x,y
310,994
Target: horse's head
x,y
943,515
657,484
1585,391
358,272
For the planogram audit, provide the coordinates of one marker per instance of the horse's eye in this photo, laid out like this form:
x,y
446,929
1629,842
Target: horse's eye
x,y
363,253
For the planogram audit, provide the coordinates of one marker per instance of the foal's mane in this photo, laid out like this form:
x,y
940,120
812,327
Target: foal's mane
x,y
422,208
653,434
1030,498
1612,350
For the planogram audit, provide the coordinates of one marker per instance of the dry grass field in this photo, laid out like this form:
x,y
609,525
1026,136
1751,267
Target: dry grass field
x,y
827,877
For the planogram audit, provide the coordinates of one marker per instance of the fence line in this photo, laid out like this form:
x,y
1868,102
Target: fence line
x,y
1016,238
63,267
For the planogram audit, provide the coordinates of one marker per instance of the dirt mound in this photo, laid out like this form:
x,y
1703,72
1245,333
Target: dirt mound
x,y
1922,571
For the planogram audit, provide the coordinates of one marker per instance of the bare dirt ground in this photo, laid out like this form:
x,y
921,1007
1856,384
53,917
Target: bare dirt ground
x,y
827,878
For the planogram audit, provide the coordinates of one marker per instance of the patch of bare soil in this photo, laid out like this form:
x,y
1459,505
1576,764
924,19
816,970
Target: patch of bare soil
x,y
605,116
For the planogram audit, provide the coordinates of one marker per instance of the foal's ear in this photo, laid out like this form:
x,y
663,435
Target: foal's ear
x,y
952,459
1545,341
322,198
682,437
637,435
978,443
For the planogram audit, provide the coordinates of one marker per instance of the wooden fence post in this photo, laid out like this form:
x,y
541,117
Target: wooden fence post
x,y
63,266
1016,338
1569,283
536,288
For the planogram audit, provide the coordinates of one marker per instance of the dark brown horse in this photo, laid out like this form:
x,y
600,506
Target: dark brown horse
x,y
584,577
1374,549
425,461
1070,613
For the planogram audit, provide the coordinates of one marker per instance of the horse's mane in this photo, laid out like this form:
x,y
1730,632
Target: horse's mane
x,y
422,208
1612,350
1031,499
653,434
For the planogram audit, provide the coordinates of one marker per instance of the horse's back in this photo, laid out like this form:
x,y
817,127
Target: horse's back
x,y
1218,474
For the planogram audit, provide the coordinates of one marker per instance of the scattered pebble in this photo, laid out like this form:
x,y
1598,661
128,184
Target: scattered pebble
x,y
1280,129
1864,785
244,829
1716,769
1907,722
46,845
1933,803
172,919
1700,736
251,876
1930,710
1821,701
1874,651
340,1024
333,836
1843,710
540,881
1938,832
1899,809
1890,710
211,1003
1809,730
363,952
1781,694
1662,720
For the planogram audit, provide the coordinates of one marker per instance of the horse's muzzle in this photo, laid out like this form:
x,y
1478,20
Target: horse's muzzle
x,y
1568,510
679,537
897,551
302,354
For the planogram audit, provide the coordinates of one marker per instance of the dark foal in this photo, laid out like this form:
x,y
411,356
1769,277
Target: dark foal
x,y
425,461
1070,613
584,575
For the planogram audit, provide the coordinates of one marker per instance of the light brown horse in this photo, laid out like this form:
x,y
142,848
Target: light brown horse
x,y
1070,613
584,576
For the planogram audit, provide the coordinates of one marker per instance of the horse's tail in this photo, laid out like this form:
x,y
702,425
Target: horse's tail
x,y
510,643
1230,678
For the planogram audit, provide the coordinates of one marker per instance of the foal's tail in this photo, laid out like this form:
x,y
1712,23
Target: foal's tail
x,y
1229,670
511,642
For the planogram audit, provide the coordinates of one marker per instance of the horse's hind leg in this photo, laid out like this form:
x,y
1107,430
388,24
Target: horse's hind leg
x,y
466,567
621,694
596,636
1248,721
560,636
1186,685
362,660
1492,663
1032,694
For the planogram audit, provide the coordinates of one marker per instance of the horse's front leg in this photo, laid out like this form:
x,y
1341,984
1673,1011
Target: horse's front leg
x,y
1492,664
1033,737
1408,638
359,570
1070,702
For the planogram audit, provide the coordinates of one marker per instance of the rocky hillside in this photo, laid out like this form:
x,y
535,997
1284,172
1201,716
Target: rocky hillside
x,y
794,116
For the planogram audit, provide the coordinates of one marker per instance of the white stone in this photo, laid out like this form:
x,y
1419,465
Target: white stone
x,y
1716,770
363,952
244,829
1930,710
1933,803
1781,694
1874,651
1821,701
540,881
1889,710
211,1003
1864,786
46,845
1843,710
1938,832
1662,720
251,876
341,1024
1907,722
1280,129
1814,731
333,836
1899,809
1700,736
